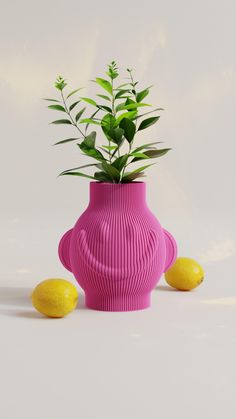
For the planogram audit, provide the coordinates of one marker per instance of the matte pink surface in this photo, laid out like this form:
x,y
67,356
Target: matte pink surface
x,y
117,250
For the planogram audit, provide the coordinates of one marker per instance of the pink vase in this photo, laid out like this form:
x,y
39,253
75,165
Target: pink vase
x,y
117,250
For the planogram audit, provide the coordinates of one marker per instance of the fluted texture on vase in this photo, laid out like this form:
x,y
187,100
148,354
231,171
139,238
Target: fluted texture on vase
x,y
117,249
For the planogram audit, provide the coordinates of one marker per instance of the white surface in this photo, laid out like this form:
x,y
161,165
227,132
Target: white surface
x,y
176,360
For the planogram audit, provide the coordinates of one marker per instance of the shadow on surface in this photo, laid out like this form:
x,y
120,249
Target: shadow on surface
x,y
15,296
20,298
27,314
81,302
166,288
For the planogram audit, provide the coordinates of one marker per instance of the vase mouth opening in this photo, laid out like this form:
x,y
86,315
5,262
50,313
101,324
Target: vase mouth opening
x,y
115,194
94,182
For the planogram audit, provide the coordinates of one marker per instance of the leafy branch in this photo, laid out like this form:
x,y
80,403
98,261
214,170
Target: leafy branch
x,y
118,122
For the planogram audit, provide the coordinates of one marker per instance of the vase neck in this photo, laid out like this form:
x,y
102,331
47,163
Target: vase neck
x,y
122,195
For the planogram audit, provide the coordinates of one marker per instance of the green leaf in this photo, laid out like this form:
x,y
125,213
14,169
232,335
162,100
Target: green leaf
x,y
74,91
145,146
80,167
102,177
120,106
113,75
157,153
130,177
91,152
74,105
123,106
105,84
79,114
116,135
111,171
89,121
120,145
104,151
60,83
107,123
57,108
99,165
140,169
141,95
124,97
121,93
122,85
66,141
61,121
120,162
52,100
112,71
130,101
136,105
104,97
129,129
109,147
146,113
88,100
148,122
150,154
129,115
76,174
89,140
139,156
106,108
92,118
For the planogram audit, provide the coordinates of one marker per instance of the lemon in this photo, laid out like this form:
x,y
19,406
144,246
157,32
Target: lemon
x,y
55,297
186,274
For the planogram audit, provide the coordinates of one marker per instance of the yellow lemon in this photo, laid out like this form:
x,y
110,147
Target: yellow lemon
x,y
55,297
185,274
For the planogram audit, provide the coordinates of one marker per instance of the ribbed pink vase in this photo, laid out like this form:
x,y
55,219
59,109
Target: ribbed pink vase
x,y
117,250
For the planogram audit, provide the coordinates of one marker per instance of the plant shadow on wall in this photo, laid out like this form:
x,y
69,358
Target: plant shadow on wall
x,y
120,121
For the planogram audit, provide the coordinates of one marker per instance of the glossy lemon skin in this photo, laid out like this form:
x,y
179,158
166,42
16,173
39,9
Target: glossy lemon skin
x,y
185,275
54,297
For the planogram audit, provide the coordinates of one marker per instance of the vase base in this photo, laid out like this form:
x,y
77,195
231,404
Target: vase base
x,y
124,303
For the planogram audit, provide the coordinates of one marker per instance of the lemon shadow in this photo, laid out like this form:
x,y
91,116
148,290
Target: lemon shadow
x,y
15,296
13,299
28,315
167,288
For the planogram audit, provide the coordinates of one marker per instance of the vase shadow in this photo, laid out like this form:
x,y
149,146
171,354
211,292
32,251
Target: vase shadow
x,y
81,303
165,288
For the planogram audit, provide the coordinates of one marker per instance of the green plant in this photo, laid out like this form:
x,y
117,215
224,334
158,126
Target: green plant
x,y
120,122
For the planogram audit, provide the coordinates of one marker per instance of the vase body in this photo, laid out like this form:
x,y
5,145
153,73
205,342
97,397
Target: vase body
x,y
117,249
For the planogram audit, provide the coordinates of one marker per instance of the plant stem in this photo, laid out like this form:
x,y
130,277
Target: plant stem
x,y
113,113
123,170
69,114
131,143
113,99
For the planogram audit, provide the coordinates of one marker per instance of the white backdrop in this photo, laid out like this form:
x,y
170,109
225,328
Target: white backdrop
x,y
187,50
